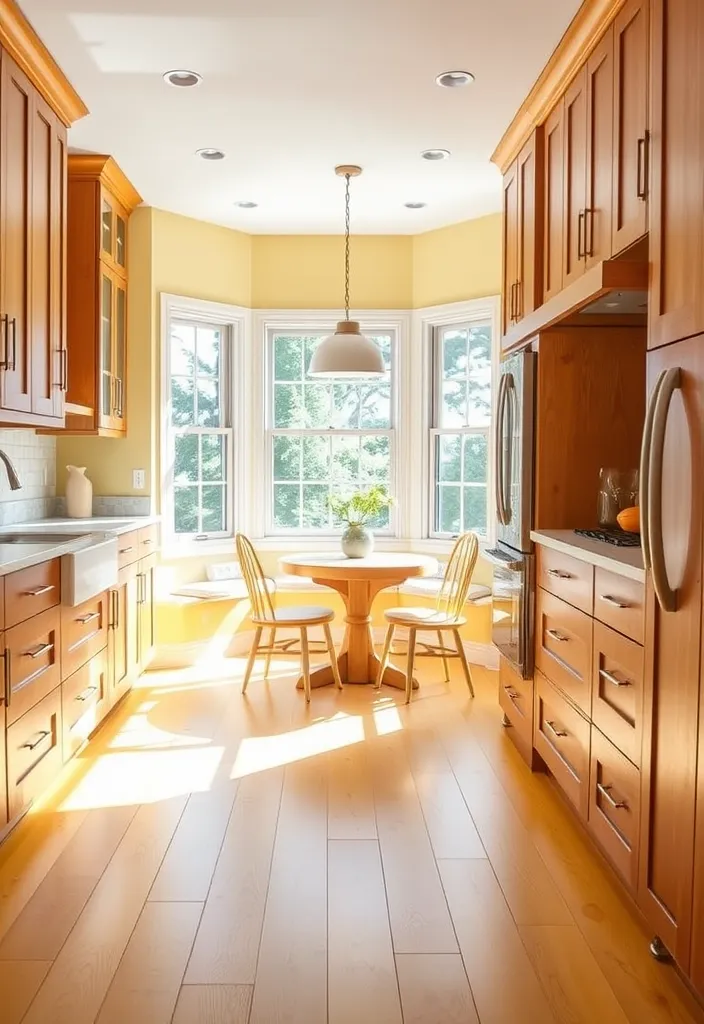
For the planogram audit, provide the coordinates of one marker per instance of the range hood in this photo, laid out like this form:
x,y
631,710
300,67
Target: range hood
x,y
612,288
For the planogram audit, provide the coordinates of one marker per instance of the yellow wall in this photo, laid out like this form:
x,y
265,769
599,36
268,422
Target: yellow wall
x,y
456,263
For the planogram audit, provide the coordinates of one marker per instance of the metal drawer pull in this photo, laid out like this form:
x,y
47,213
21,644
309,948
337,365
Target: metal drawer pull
x,y
619,805
148,541
560,574
38,651
41,737
87,693
555,730
40,591
512,693
614,680
556,635
126,551
614,601
85,619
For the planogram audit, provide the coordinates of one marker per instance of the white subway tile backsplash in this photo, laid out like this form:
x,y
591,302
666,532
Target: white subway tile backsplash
x,y
34,458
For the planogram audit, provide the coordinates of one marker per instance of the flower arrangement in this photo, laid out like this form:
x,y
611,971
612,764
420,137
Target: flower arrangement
x,y
362,507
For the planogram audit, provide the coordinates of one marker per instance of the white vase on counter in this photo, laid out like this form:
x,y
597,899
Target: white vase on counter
x,y
79,493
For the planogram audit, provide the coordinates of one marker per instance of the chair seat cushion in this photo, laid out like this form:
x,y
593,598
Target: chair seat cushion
x,y
306,614
425,618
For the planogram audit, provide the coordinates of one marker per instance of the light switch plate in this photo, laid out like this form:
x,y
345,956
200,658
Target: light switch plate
x,y
138,479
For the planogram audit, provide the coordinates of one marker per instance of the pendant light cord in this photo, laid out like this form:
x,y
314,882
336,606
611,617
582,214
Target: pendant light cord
x,y
347,247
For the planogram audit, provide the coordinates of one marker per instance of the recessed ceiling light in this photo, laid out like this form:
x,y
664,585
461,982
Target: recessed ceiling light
x,y
246,204
454,79
210,154
182,79
436,154
415,206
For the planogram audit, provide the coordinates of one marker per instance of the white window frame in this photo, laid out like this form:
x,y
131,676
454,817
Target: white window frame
x,y
370,327
235,320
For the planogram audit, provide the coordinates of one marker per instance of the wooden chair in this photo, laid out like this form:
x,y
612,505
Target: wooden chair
x,y
264,616
445,617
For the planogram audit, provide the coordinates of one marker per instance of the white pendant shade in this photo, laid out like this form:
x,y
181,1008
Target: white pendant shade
x,y
347,353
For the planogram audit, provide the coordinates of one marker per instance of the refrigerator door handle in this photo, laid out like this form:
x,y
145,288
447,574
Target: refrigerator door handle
x,y
510,403
499,452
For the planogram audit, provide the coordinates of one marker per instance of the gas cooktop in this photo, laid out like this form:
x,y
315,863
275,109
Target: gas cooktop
x,y
619,538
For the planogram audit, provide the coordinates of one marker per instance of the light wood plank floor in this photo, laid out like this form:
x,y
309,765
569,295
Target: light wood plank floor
x,y
214,859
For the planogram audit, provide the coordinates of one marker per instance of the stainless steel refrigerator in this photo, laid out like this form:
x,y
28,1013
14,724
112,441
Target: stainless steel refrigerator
x,y
513,558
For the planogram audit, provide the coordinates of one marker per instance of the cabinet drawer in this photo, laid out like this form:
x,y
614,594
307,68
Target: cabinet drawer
x,y
617,690
566,577
614,806
84,632
32,653
516,700
561,736
128,548
620,603
31,591
33,752
84,703
563,648
148,540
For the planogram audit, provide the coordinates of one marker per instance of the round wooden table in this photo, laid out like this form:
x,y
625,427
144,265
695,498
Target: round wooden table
x,y
358,580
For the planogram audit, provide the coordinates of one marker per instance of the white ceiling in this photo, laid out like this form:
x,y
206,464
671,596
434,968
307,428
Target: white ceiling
x,y
292,87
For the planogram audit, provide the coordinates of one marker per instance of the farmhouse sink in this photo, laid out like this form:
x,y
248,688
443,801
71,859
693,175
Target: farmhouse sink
x,y
44,540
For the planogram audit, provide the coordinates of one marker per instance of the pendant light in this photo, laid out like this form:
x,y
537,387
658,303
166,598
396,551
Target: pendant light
x,y
347,352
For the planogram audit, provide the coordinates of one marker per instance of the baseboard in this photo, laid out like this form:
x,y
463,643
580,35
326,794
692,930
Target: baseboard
x,y
175,656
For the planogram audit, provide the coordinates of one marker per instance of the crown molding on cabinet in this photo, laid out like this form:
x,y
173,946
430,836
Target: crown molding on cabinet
x,y
100,167
25,47
584,31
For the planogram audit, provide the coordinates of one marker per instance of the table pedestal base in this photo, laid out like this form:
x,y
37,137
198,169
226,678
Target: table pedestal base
x,y
323,676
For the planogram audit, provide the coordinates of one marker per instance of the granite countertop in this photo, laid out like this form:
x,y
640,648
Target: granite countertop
x,y
63,536
623,561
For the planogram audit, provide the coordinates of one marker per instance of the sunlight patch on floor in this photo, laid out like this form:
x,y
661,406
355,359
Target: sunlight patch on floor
x,y
138,732
259,753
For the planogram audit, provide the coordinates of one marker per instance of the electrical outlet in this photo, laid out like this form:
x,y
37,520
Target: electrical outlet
x,y
138,479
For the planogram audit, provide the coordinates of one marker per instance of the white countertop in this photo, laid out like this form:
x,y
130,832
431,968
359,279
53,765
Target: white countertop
x,y
624,561
63,536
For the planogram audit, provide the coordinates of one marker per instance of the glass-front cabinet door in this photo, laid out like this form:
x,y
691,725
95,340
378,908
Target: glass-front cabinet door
x,y
106,347
107,226
119,350
120,240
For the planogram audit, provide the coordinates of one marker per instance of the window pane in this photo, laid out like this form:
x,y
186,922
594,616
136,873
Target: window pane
x,y
213,449
288,406
384,343
475,459
315,506
316,460
346,403
287,357
475,509
186,509
287,506
317,405
185,458
213,508
345,460
449,458
310,344
375,402
208,350
454,404
375,460
182,402
380,522
479,376
449,509
454,354
182,349
208,402
287,458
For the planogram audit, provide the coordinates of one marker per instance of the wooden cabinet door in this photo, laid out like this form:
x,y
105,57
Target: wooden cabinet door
x,y
16,103
600,100
672,653
676,308
123,645
530,218
553,196
147,570
119,353
3,772
630,168
47,243
510,276
575,192
106,346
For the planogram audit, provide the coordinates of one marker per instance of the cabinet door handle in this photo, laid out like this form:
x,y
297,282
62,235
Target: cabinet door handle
x,y
559,574
126,551
38,651
41,736
556,730
519,300
7,677
4,322
114,599
588,232
512,693
64,370
606,793
642,168
614,601
614,680
556,635
86,694
13,322
580,231
40,591
85,619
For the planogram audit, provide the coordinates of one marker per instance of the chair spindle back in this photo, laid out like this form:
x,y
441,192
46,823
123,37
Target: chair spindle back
x,y
458,575
254,578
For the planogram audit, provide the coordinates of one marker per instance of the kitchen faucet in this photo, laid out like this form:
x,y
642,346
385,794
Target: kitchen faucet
x,y
12,477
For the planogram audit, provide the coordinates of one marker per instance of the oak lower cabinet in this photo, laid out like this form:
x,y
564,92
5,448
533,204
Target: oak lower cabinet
x,y
34,753
84,703
131,634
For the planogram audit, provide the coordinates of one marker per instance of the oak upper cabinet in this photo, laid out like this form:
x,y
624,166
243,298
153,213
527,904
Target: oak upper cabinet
x,y
575,181
596,244
676,297
675,446
630,128
522,232
553,199
100,201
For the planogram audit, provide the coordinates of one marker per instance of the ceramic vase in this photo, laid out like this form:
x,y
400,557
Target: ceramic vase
x,y
357,542
79,493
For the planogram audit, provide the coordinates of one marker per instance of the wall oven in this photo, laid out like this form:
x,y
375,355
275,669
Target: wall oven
x,y
512,559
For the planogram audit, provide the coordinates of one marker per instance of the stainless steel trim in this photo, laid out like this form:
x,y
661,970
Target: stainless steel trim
x,y
614,601
605,792
614,680
38,651
85,619
667,597
499,453
510,401
504,562
581,254
40,591
560,733
556,635
644,474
